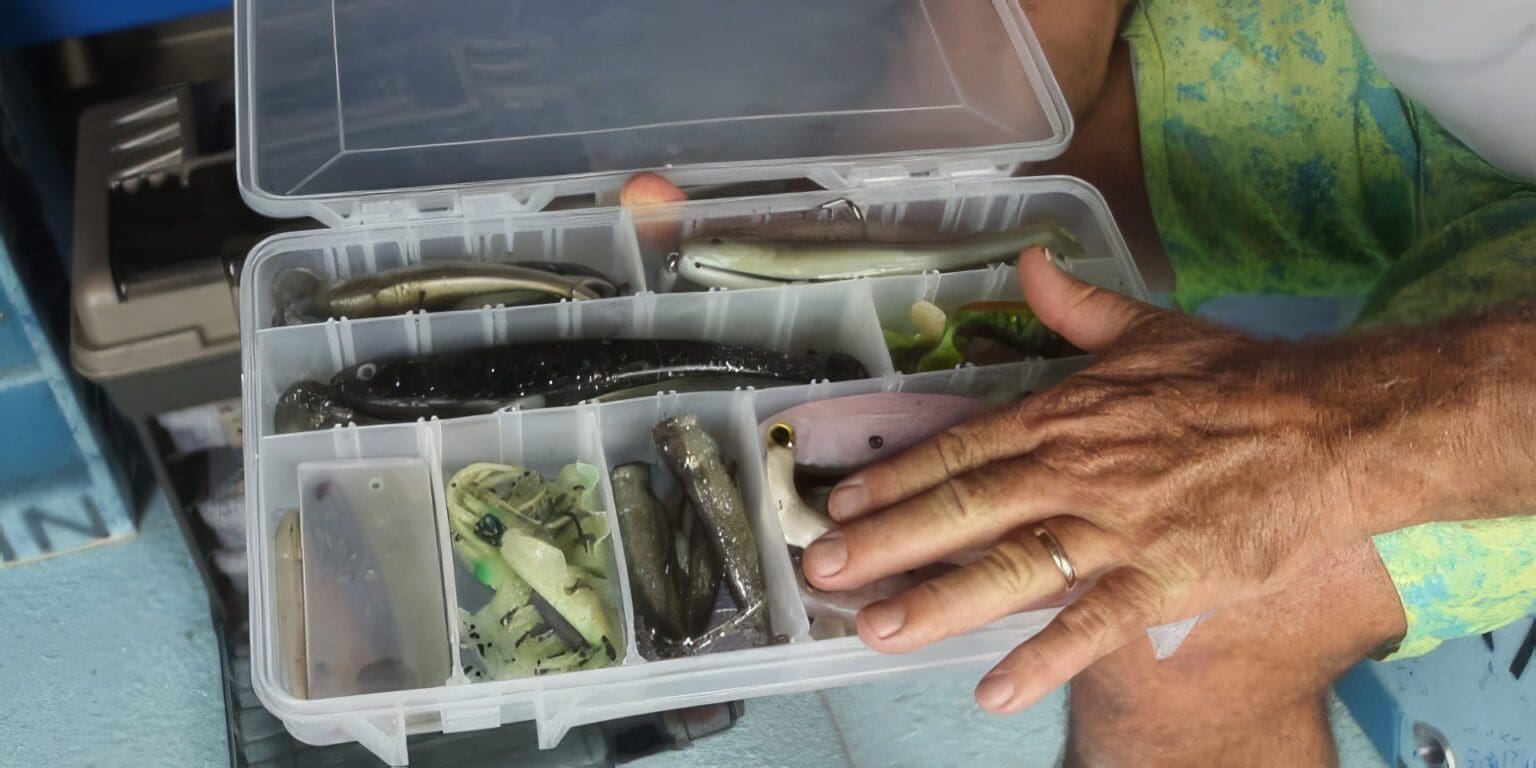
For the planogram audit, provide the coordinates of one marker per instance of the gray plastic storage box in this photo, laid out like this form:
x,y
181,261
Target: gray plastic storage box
x,y
422,132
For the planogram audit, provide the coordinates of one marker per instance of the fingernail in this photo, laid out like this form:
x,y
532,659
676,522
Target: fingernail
x,y
847,499
826,555
885,619
1053,257
995,691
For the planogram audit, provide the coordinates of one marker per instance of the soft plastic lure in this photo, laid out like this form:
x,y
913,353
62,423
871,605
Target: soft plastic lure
x,y
696,460
724,262
544,550
438,287
1009,329
846,433
555,373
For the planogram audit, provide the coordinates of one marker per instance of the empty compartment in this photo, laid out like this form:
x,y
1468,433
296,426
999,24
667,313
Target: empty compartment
x,y
828,329
309,277
537,576
629,439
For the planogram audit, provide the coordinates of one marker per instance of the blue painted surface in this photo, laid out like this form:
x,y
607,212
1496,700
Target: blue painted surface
x,y
24,22
59,489
1463,690
107,658
1372,706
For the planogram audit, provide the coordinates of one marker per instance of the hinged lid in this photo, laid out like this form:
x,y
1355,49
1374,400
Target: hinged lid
x,y
393,109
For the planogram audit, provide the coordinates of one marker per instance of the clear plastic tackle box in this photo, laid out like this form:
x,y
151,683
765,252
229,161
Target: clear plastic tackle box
x,y
420,132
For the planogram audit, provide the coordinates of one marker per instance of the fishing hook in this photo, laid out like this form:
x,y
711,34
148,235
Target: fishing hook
x,y
852,207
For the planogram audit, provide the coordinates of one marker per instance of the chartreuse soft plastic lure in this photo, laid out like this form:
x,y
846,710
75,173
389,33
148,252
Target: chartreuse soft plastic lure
x,y
544,549
984,333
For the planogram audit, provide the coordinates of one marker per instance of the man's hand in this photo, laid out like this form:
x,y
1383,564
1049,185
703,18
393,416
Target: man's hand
x,y
1190,469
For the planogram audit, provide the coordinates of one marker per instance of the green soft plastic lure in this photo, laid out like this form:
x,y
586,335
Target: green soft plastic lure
x,y
544,549
1009,330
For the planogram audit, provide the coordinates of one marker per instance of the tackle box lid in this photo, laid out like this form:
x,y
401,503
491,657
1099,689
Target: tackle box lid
x,y
358,111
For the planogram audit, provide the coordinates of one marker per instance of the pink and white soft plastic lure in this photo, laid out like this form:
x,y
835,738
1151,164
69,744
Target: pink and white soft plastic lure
x,y
846,433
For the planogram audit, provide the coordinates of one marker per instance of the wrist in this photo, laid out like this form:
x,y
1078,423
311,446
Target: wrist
x,y
1379,620
1443,423
1486,418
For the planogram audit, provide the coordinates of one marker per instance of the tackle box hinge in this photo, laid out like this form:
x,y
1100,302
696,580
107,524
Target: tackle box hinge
x,y
869,175
427,205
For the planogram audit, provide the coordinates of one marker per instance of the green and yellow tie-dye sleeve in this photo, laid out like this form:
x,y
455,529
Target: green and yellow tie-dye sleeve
x,y
1460,579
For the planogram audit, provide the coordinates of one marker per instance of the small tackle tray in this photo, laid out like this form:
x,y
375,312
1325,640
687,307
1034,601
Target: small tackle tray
x,y
420,134
844,317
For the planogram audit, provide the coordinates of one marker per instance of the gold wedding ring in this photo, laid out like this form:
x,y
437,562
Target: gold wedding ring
x,y
1058,554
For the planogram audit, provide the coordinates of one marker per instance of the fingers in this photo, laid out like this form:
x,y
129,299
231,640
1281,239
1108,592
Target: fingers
x,y
1090,317
1110,615
963,513
647,189
952,453
1014,575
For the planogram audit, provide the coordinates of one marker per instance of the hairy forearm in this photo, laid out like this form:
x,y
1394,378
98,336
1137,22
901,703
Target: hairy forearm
x,y
1443,418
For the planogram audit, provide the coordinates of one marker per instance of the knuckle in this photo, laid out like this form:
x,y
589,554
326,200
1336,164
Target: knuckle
x,y
1083,297
1069,463
1156,325
1091,620
1083,392
1010,566
928,597
929,611
1057,456
1105,615
1027,662
955,449
959,500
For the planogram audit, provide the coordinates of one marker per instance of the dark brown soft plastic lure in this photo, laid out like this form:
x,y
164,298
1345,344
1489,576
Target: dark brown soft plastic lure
x,y
557,373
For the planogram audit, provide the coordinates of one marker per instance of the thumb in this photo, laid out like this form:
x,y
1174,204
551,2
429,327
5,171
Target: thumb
x,y
1090,317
